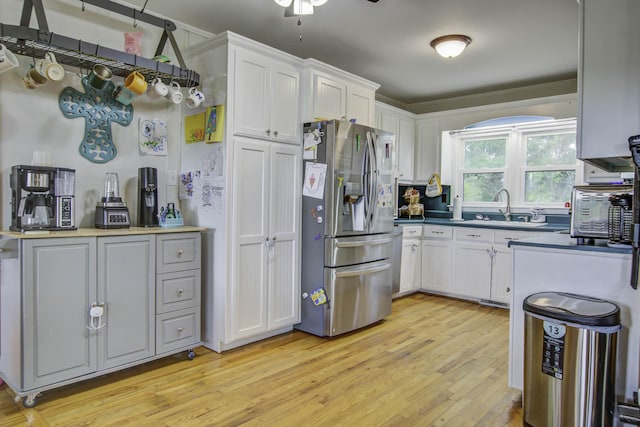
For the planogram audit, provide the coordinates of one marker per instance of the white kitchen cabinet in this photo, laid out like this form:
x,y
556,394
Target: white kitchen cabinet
x,y
330,93
483,263
402,124
427,149
410,266
608,110
266,97
437,253
73,308
264,293
472,262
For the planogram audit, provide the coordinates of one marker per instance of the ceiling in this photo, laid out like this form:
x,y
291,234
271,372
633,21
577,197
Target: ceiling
x,y
516,43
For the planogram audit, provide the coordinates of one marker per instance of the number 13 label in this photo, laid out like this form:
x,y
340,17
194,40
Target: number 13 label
x,y
553,349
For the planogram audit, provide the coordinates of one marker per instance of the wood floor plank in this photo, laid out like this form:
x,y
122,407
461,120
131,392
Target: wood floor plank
x,y
434,361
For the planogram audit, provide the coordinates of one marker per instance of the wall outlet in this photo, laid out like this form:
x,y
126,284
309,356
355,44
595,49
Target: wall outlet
x,y
172,177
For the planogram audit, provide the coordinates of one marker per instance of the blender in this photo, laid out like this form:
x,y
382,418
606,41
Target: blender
x,y
111,211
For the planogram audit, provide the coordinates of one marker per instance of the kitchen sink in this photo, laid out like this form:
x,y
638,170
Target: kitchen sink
x,y
510,224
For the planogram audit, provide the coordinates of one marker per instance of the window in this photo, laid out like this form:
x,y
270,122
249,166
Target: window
x,y
535,161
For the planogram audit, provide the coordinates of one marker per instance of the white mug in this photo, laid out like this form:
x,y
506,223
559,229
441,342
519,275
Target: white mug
x,y
195,98
49,68
7,59
157,89
33,79
173,93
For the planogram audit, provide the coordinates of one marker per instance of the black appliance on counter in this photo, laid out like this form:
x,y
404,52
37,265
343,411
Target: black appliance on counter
x,y
42,198
148,197
434,207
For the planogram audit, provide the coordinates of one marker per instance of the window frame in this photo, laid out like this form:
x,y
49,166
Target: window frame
x,y
515,157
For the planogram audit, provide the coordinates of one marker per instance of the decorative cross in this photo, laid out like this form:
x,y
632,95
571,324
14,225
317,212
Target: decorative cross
x,y
99,109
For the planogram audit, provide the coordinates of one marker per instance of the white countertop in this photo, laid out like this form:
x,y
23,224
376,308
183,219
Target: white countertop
x,y
98,232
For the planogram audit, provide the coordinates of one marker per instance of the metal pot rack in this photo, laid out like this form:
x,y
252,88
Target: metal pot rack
x,y
23,40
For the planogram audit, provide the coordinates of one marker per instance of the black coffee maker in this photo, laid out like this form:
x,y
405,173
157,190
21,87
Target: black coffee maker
x,y
147,197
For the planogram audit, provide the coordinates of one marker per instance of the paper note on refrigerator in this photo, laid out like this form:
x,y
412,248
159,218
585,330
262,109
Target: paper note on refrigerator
x,y
314,176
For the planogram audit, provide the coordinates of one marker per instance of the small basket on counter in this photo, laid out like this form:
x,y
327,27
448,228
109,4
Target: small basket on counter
x,y
170,216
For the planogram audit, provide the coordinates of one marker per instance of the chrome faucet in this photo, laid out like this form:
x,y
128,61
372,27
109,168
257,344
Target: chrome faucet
x,y
507,211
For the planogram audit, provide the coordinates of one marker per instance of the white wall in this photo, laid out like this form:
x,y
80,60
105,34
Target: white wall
x,y
31,120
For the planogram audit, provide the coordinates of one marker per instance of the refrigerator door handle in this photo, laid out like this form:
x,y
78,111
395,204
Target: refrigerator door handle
x,y
363,243
373,179
359,272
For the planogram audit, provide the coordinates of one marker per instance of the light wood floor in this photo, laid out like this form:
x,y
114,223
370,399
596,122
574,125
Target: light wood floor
x,y
433,362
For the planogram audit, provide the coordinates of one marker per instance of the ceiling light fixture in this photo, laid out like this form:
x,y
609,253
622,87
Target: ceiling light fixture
x,y
450,46
299,7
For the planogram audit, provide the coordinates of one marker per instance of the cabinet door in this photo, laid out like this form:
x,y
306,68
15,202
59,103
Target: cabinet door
x,y
284,230
247,299
285,104
436,265
406,153
329,98
502,275
59,285
361,105
251,94
472,270
126,286
608,113
410,265
427,150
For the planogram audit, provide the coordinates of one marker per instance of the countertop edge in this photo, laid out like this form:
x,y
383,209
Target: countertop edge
x,y
97,232
549,228
566,242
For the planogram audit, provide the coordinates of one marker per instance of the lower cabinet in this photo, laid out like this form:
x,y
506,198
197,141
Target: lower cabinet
x,y
437,251
472,262
410,268
93,305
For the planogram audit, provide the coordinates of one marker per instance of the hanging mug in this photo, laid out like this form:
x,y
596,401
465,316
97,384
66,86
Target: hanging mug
x,y
157,89
123,95
49,67
7,59
173,94
33,79
195,98
99,77
136,83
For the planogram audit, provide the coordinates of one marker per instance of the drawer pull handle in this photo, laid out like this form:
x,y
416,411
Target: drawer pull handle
x,y
509,238
473,235
180,330
180,291
180,252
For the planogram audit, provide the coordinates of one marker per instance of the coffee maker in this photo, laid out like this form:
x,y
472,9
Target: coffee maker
x,y
42,198
148,197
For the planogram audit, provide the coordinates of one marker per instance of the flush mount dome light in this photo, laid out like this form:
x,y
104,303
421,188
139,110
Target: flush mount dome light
x,y
450,46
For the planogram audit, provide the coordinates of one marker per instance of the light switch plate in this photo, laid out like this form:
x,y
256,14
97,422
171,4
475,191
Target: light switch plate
x,y
172,177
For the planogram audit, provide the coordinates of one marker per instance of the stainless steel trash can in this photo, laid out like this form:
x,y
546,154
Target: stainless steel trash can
x,y
569,360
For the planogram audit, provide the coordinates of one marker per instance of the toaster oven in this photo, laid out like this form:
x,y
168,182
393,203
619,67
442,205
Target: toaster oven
x,y
590,209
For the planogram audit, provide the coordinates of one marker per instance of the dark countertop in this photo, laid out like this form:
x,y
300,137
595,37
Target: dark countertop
x,y
565,241
549,227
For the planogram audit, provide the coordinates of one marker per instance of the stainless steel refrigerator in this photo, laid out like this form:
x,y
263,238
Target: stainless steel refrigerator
x,y
347,224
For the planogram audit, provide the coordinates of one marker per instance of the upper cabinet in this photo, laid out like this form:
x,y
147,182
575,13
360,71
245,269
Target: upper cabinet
x,y
330,93
403,125
266,97
608,83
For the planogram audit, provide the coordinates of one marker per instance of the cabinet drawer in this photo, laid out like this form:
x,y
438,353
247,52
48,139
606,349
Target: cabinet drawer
x,y
503,237
409,231
474,234
437,232
176,291
177,329
178,252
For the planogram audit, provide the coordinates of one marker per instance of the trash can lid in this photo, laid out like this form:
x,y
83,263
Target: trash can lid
x,y
578,309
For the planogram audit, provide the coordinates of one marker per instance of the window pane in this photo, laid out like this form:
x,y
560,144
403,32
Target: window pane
x,y
549,150
482,187
549,186
485,153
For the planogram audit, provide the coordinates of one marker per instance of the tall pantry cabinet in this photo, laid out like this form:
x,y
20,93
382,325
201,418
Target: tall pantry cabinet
x,y
252,268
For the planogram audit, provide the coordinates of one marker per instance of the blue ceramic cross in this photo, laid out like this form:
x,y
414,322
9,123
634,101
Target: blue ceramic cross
x,y
99,109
